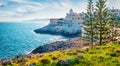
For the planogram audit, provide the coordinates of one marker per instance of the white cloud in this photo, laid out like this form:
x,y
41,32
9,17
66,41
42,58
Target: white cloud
x,y
34,10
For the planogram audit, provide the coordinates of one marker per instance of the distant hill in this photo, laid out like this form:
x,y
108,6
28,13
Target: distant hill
x,y
44,19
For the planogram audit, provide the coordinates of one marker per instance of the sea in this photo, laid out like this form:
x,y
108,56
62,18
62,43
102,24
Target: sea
x,y
18,38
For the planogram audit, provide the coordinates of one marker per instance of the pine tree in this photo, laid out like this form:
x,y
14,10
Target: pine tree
x,y
112,15
88,22
102,21
114,31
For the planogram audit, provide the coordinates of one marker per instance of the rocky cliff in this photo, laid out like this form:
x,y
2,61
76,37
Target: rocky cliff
x,y
56,29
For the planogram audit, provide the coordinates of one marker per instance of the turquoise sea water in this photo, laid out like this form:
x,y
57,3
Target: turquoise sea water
x,y
19,38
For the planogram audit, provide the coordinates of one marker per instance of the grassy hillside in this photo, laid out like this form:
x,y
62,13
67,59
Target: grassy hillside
x,y
105,55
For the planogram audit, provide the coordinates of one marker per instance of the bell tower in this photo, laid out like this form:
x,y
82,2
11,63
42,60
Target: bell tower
x,y
71,11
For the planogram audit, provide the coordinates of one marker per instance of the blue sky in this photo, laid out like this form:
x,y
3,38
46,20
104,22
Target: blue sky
x,y
19,10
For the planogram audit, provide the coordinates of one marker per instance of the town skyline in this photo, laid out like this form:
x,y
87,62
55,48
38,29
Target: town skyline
x,y
20,10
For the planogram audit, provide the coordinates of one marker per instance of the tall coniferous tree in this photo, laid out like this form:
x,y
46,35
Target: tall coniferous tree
x,y
102,20
88,21
114,31
112,15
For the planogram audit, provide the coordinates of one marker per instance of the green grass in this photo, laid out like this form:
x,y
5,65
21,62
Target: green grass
x,y
105,55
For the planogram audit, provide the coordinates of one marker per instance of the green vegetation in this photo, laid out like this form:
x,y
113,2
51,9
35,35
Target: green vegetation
x,y
102,21
117,24
99,25
88,21
105,55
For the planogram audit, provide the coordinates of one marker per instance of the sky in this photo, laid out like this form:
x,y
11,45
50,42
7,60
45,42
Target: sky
x,y
20,10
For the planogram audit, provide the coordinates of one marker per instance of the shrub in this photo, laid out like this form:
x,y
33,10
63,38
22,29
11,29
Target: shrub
x,y
118,51
80,57
61,63
64,63
45,61
101,59
97,48
113,55
115,61
76,61
53,64
118,64
54,58
68,62
92,52
71,53
38,64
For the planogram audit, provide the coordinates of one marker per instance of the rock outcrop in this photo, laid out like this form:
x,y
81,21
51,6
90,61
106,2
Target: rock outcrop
x,y
56,29
61,45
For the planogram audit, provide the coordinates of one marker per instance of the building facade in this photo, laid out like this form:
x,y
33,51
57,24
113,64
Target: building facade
x,y
72,22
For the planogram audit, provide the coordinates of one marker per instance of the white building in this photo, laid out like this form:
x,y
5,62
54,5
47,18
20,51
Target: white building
x,y
116,12
72,15
72,22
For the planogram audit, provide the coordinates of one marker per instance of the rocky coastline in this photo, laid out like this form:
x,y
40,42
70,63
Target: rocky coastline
x,y
70,44
56,29
74,43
